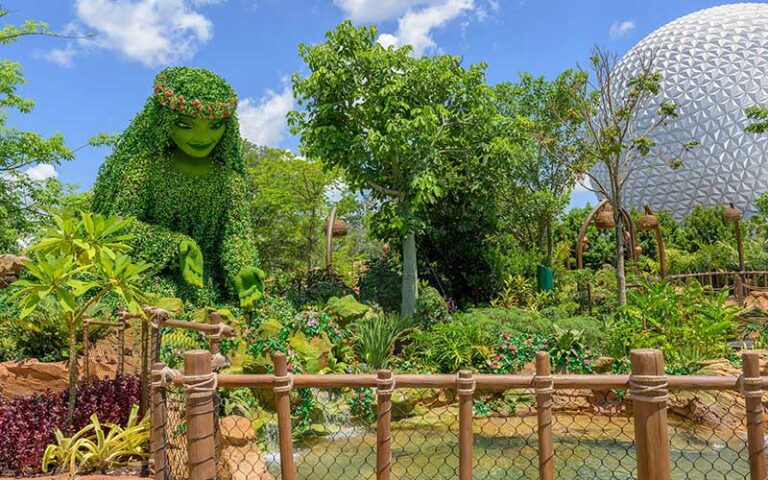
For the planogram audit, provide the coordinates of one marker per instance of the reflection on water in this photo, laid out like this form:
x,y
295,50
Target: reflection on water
x,y
586,447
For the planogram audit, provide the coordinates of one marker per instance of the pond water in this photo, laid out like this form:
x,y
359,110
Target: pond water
x,y
586,447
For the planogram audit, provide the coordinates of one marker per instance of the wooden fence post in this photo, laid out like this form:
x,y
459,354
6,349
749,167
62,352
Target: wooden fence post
x,y
738,286
753,396
544,389
282,389
386,386
200,383
648,391
158,420
465,386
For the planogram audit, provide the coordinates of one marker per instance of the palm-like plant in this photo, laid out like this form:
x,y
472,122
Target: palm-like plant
x,y
94,449
77,264
376,338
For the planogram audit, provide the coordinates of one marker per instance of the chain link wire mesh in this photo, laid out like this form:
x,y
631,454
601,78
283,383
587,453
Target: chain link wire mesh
x,y
175,433
708,435
593,434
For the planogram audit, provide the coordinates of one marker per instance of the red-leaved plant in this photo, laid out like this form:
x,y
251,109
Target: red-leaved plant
x,y
27,423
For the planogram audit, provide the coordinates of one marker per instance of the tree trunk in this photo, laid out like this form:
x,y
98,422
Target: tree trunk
x,y
621,280
72,377
410,291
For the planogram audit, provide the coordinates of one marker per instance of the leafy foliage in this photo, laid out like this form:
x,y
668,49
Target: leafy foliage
x,y
375,338
398,126
760,116
23,201
75,267
92,448
688,324
28,423
289,207
380,284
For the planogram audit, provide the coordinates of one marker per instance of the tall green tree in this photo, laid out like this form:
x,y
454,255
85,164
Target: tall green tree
x,y
78,263
396,125
289,207
22,201
542,121
614,141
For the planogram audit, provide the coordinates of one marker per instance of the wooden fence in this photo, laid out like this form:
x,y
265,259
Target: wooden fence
x,y
647,386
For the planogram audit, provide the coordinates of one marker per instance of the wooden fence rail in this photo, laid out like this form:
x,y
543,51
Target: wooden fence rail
x,y
647,386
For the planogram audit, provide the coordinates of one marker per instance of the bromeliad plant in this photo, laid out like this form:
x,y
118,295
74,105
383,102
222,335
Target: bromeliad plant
x,y
99,447
79,263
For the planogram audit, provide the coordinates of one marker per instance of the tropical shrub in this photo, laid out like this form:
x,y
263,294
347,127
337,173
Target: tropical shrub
x,y
317,286
381,283
77,264
308,339
518,291
28,423
515,321
362,405
703,226
96,448
688,323
452,346
567,351
375,338
346,309
430,308
514,351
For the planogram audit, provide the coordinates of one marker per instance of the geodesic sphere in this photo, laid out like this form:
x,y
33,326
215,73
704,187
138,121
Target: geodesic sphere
x,y
714,64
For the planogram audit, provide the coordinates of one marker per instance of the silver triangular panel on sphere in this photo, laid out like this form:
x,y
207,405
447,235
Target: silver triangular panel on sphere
x,y
714,64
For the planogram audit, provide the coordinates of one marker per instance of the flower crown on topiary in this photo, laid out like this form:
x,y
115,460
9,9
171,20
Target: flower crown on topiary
x,y
180,100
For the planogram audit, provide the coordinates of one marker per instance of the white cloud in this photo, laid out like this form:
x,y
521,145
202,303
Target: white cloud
x,y
415,27
378,10
63,56
416,19
621,29
153,32
41,172
263,122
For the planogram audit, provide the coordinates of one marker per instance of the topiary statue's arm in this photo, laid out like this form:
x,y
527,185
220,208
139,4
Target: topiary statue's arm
x,y
123,188
238,254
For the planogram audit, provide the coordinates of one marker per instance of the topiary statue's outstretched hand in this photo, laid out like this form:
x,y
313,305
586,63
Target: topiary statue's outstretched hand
x,y
250,286
191,262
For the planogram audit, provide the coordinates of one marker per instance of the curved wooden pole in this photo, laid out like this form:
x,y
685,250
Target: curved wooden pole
x,y
329,241
583,233
659,245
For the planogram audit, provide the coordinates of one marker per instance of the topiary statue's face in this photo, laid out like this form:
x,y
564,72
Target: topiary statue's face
x,y
197,137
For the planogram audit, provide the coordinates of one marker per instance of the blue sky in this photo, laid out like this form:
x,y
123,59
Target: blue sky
x,y
83,87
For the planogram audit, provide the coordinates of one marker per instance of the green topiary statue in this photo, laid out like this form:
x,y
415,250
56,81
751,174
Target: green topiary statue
x,y
178,170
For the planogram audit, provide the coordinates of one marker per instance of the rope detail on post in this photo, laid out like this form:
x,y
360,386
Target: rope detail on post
x,y
544,385
744,382
648,388
755,412
218,333
167,375
465,386
385,386
200,386
157,316
283,384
